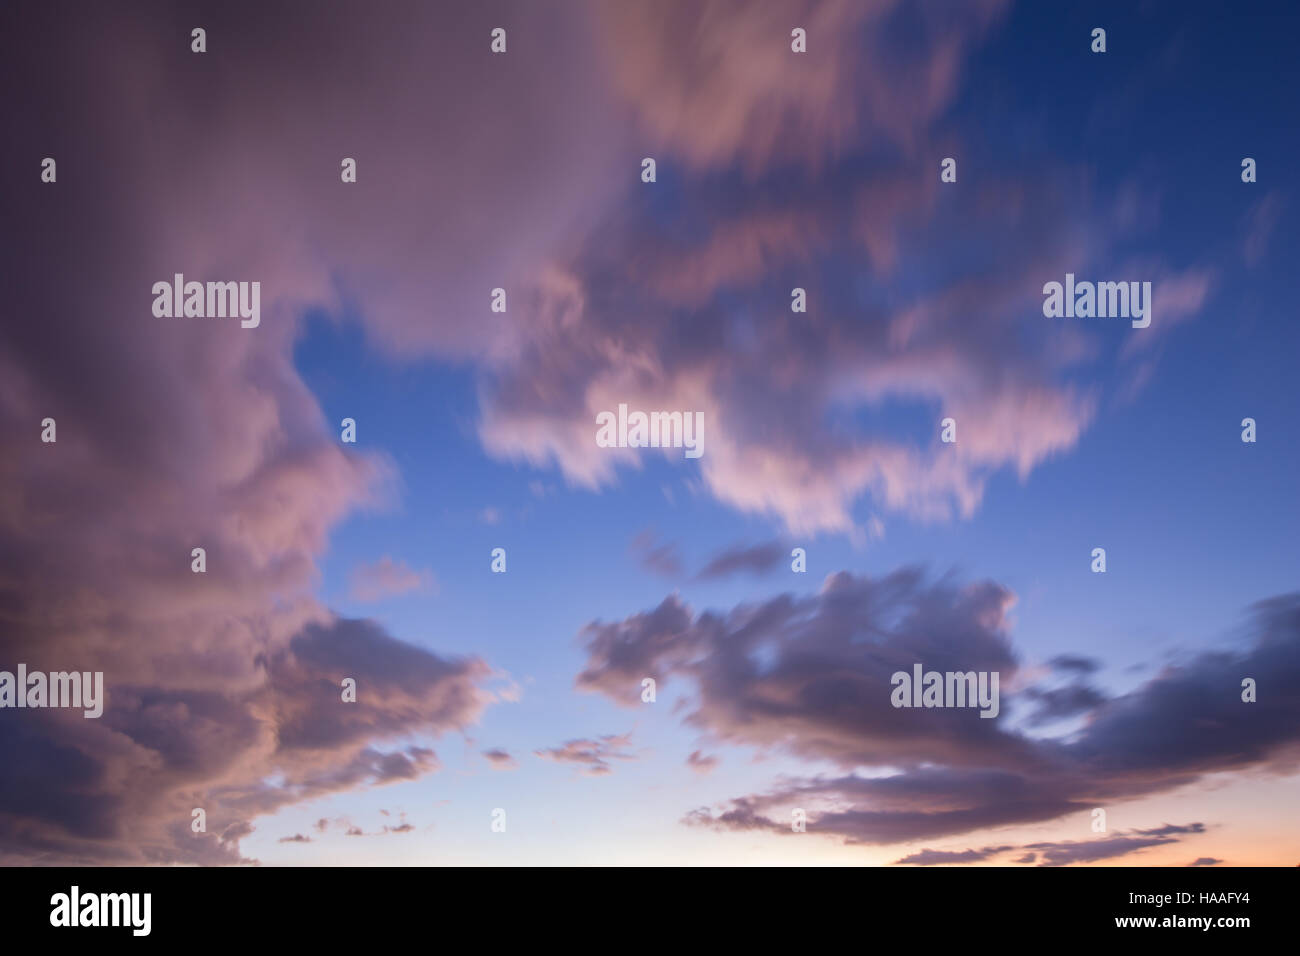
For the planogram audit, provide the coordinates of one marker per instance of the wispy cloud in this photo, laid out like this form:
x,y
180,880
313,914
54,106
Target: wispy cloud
x,y
591,755
701,762
662,558
500,759
388,578
755,559
936,857
1063,853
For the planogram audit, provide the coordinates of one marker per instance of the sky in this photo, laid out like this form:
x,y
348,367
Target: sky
x,y
499,718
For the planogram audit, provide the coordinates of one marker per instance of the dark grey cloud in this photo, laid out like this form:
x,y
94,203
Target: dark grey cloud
x,y
281,739
1060,703
809,677
812,674
397,685
620,655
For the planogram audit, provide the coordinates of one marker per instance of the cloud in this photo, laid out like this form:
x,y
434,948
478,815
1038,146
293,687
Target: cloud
x,y
592,756
296,838
934,857
388,578
756,559
662,559
1205,861
1104,848
607,295
716,82
403,827
701,762
900,808
223,687
1260,222
500,759
823,685
1170,829
778,168
809,677
1074,664
1175,298
1065,853
1060,703
400,689
181,433
693,311
604,331
232,834
121,790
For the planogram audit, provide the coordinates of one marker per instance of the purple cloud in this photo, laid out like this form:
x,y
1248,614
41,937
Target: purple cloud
x,y
809,677
755,559
500,759
936,857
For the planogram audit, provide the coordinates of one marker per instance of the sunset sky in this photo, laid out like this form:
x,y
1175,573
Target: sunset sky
x,y
476,430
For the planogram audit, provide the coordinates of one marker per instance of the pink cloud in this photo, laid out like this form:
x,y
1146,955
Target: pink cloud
x,y
591,755
716,82
389,578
